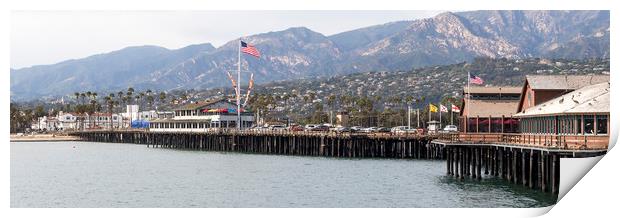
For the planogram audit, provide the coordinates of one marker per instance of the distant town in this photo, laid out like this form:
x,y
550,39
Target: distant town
x,y
374,99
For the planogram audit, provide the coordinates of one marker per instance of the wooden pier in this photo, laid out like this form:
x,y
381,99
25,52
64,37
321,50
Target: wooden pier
x,y
536,167
281,143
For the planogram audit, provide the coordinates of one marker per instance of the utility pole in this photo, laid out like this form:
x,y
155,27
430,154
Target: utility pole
x,y
408,117
418,113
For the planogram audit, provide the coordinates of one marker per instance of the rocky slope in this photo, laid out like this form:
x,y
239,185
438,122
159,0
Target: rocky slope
x,y
299,52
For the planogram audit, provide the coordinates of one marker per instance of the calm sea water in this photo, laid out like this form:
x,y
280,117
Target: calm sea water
x,y
83,174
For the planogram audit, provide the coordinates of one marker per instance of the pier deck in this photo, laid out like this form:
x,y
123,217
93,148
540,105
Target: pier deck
x,y
284,143
529,160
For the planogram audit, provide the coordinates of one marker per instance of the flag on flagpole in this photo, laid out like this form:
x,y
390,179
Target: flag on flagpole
x,y
432,108
249,49
443,108
455,109
475,79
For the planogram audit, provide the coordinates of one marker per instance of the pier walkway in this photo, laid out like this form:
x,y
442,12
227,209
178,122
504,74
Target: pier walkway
x,y
532,161
529,160
351,145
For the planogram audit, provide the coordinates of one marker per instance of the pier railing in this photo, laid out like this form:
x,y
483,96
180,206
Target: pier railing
x,y
270,132
573,142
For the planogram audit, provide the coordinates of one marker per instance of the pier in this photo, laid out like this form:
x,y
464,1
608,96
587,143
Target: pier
x,y
471,156
516,158
348,145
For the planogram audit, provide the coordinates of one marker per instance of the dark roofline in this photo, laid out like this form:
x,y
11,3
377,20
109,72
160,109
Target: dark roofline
x,y
199,104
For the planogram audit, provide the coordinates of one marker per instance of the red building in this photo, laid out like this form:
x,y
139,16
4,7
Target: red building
x,y
489,109
538,89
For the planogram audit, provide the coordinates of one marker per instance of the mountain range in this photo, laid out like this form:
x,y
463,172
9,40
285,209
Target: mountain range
x,y
299,52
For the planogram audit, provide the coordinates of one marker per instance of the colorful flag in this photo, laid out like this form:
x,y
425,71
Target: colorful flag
x,y
475,79
455,109
249,49
443,108
432,108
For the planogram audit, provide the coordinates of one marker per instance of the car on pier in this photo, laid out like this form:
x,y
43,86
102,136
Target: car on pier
x,y
383,130
450,128
403,130
277,127
320,128
356,128
296,128
309,127
342,129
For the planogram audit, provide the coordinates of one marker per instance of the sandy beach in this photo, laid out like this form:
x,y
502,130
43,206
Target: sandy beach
x,y
42,138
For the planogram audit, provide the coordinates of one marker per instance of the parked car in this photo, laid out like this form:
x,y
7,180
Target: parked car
x,y
277,127
259,128
296,128
320,128
403,130
356,128
309,127
450,128
383,129
343,129
370,129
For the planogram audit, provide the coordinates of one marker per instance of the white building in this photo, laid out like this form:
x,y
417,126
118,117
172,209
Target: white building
x,y
100,120
45,123
67,121
201,116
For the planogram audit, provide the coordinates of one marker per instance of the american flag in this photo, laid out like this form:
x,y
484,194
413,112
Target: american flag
x,y
249,49
475,80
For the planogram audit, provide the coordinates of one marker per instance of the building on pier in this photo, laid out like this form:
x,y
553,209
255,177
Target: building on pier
x,y
538,89
218,113
489,109
576,120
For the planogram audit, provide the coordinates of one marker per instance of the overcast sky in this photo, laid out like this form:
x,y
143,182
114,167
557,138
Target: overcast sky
x,y
50,37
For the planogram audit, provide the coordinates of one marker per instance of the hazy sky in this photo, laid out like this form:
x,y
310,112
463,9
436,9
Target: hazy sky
x,y
50,37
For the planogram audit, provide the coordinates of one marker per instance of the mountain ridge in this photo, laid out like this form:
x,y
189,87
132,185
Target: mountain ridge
x,y
299,52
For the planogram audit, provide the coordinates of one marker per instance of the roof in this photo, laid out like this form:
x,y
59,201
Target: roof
x,y
570,82
589,99
493,108
180,121
493,89
198,105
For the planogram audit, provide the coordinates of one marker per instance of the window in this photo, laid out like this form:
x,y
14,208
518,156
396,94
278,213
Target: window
x,y
588,124
578,124
601,124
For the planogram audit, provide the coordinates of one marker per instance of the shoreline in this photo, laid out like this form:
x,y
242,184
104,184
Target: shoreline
x,y
43,138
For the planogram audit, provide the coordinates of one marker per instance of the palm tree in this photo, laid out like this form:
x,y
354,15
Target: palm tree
x,y
89,94
111,95
83,95
137,99
120,96
129,94
109,100
162,97
77,98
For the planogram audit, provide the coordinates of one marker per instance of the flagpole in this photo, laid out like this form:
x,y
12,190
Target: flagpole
x,y
430,112
467,102
239,87
440,115
451,114
408,116
418,113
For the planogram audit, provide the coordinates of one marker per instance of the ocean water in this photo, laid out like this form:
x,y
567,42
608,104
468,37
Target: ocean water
x,y
86,174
